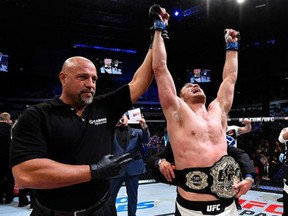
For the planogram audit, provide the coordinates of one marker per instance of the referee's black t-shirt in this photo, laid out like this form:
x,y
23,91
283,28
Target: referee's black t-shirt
x,y
53,130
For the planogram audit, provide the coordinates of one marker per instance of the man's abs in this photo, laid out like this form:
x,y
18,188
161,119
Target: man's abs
x,y
195,196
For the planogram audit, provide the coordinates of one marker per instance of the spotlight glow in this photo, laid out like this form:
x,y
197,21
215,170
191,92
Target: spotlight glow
x,y
240,1
176,13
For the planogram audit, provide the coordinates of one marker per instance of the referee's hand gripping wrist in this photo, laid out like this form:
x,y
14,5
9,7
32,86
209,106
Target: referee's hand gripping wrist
x,y
108,166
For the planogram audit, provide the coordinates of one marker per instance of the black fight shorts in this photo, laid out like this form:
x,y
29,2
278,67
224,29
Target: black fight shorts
x,y
204,207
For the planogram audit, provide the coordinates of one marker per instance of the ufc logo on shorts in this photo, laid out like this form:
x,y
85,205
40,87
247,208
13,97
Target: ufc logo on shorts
x,y
211,208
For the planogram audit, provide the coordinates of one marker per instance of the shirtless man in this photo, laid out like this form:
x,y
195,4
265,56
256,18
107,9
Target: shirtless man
x,y
198,134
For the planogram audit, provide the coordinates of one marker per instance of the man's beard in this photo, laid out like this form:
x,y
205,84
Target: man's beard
x,y
88,100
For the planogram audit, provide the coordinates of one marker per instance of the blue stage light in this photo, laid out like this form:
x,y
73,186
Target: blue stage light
x,y
128,51
271,41
176,13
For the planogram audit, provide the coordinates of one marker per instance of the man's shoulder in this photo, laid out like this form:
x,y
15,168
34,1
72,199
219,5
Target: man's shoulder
x,y
47,104
42,107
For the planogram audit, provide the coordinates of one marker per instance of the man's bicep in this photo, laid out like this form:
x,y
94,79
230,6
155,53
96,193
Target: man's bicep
x,y
27,139
225,95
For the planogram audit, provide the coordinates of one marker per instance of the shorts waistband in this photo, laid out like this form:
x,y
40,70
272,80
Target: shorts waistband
x,y
203,205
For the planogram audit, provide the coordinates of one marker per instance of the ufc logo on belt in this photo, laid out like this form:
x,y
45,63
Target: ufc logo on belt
x,y
211,208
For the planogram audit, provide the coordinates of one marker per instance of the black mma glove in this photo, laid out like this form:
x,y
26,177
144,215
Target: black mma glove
x,y
154,12
158,24
109,166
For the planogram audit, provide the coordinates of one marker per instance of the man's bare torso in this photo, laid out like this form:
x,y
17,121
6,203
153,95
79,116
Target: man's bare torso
x,y
197,140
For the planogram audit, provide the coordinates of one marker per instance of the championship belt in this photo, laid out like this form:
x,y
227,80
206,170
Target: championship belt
x,y
217,179
225,173
197,180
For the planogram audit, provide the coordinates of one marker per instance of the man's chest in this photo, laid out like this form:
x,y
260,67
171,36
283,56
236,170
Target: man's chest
x,y
78,135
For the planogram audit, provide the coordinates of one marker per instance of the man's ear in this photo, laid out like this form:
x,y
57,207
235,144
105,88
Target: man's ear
x,y
62,76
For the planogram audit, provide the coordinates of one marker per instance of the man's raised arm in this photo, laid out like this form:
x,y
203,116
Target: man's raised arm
x,y
166,87
226,91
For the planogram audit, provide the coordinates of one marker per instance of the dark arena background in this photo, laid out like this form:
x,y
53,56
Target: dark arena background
x,y
37,36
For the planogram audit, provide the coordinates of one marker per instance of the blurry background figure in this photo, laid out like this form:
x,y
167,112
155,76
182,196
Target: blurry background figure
x,y
232,132
6,177
266,169
128,139
107,67
3,63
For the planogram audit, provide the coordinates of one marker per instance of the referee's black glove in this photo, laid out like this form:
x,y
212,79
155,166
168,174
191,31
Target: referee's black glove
x,y
109,166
